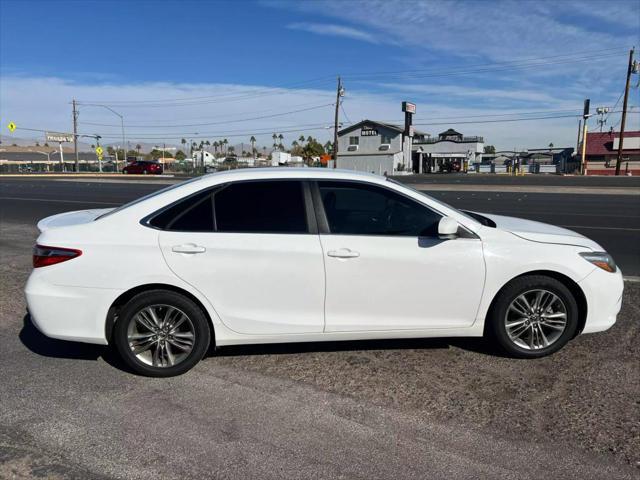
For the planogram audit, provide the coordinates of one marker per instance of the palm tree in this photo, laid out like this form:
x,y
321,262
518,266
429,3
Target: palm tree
x,y
215,148
138,147
253,145
207,143
301,139
225,144
183,142
281,137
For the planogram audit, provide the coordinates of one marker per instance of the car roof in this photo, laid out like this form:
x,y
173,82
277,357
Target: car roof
x,y
286,172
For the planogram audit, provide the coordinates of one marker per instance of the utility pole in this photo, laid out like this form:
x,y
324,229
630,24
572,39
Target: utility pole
x,y
624,112
585,116
75,134
579,131
339,93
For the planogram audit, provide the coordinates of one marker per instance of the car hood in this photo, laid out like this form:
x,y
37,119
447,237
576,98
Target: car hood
x,y
71,218
541,232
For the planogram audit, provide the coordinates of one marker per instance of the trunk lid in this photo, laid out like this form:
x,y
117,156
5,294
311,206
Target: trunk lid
x,y
71,218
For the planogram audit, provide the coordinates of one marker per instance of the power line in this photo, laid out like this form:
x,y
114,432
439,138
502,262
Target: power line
x,y
210,135
281,114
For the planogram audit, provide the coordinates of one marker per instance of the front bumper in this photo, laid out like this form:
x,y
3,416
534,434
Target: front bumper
x,y
603,291
69,313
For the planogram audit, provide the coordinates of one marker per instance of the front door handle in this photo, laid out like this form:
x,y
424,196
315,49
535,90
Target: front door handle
x,y
188,248
343,253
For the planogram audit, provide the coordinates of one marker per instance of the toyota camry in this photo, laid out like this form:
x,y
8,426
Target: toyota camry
x,y
304,255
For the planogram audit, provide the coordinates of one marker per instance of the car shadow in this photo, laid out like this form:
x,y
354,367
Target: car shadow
x,y
40,344
477,345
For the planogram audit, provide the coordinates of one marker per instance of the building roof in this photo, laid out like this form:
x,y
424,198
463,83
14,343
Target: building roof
x,y
356,126
451,131
601,143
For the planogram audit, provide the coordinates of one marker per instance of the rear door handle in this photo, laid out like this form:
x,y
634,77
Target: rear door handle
x,y
188,248
343,253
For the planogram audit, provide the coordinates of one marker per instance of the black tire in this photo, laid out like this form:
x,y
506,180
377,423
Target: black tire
x,y
197,318
497,329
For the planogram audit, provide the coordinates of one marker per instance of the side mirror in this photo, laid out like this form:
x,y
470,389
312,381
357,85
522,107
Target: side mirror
x,y
447,228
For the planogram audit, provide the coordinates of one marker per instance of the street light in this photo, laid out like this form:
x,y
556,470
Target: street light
x,y
121,124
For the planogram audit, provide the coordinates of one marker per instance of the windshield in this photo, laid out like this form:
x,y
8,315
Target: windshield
x,y
146,197
439,202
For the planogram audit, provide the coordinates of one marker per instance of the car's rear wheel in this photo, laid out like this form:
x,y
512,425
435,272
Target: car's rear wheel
x,y
161,333
533,316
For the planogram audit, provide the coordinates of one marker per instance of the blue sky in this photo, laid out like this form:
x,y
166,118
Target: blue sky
x,y
458,60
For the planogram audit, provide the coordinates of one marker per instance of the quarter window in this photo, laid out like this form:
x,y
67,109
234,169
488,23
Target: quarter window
x,y
361,209
193,214
385,139
261,207
354,140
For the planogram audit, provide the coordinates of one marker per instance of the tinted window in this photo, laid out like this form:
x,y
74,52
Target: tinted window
x,y
360,209
193,214
268,207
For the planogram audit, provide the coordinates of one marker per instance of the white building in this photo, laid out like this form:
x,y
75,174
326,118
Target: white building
x,y
370,146
444,152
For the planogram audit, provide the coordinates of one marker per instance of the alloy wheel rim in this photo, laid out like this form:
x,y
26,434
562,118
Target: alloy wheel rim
x,y
535,319
161,335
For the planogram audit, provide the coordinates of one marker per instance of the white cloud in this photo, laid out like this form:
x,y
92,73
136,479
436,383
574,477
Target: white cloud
x,y
44,103
331,29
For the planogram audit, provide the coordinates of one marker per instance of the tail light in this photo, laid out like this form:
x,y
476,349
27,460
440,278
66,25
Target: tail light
x,y
44,256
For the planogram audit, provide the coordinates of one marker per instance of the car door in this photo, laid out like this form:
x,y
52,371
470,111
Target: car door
x,y
386,268
252,249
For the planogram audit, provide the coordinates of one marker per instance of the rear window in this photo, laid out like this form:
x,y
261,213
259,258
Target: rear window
x,y
147,197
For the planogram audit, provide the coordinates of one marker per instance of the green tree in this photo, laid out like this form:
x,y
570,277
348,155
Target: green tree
x,y
180,155
490,149
138,148
328,147
301,139
313,148
253,144
155,154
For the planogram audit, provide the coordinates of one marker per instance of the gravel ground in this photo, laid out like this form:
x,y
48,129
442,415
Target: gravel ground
x,y
413,409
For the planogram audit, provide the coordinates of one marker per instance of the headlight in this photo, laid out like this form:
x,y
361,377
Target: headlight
x,y
600,259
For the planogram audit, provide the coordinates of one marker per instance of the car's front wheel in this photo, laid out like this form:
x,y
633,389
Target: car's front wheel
x,y
161,333
533,316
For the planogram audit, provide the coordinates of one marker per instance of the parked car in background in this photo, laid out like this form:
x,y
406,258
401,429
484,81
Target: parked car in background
x,y
143,167
305,255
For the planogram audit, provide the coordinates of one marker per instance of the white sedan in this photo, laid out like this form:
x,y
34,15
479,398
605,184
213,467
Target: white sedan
x,y
304,255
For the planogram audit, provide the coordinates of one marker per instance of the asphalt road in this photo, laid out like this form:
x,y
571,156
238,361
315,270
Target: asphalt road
x,y
611,220
404,409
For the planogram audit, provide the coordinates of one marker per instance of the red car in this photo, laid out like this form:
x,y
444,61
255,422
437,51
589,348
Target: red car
x,y
143,167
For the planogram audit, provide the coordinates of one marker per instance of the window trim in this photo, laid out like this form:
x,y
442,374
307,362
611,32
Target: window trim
x,y
323,221
310,215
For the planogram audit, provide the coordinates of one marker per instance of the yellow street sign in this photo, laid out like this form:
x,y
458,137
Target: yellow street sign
x,y
99,151
11,126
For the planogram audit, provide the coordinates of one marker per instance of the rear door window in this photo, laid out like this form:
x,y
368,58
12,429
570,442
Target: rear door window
x,y
261,207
